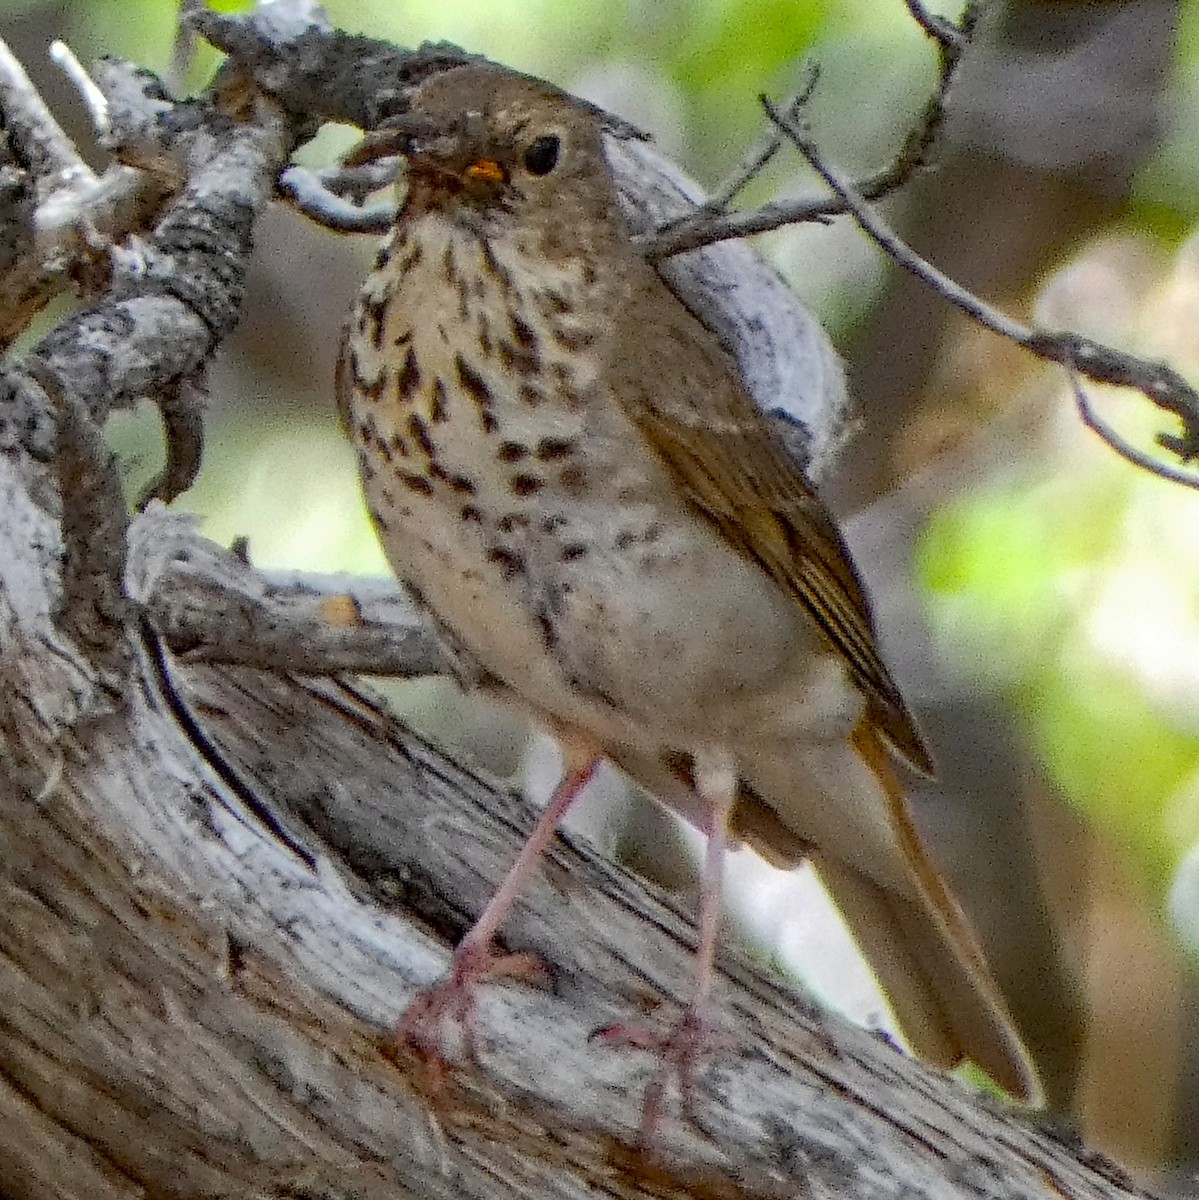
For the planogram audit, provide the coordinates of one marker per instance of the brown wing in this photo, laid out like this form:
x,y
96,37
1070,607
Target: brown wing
x,y
727,460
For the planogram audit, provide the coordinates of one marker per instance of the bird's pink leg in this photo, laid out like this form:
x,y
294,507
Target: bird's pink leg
x,y
476,958
680,1047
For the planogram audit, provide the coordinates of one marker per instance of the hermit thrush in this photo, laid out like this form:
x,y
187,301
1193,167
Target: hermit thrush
x,y
568,475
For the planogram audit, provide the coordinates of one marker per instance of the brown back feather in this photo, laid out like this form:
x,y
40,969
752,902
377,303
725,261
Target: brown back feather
x,y
729,464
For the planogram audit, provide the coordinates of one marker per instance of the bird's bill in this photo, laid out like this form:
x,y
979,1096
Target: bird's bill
x,y
486,170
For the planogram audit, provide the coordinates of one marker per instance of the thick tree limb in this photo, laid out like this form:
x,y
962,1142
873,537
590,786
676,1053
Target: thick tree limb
x,y
233,996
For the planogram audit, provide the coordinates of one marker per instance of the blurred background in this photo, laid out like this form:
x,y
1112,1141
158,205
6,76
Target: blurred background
x,y
1037,595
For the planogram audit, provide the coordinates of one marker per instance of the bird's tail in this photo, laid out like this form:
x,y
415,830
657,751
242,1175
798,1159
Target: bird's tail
x,y
896,903
842,807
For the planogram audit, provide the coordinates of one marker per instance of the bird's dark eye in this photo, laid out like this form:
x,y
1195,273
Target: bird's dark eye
x,y
542,155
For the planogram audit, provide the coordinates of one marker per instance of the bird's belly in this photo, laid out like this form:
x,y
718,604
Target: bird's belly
x,y
568,615
664,620
547,537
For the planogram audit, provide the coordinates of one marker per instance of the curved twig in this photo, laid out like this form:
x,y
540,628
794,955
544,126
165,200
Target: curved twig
x,y
1080,355
711,224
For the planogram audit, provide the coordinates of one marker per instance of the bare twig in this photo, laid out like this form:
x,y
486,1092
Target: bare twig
x,y
1093,421
311,193
1092,360
856,204
93,97
952,39
760,155
359,182
705,226
181,410
50,155
58,210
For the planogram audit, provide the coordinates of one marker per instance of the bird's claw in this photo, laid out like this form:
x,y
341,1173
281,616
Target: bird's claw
x,y
449,1006
678,1049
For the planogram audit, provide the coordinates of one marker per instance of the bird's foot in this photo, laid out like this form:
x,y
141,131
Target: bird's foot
x,y
447,1010
679,1050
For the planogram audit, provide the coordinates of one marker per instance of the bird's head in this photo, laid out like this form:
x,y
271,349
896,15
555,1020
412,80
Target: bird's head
x,y
485,148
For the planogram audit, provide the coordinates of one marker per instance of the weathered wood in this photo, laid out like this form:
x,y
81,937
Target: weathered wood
x,y
192,1008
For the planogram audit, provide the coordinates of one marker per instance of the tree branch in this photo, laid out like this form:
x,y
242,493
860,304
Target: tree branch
x,y
210,606
56,208
1081,356
710,223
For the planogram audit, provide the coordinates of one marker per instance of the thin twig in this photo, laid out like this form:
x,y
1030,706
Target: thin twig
x,y
1092,420
93,98
50,155
308,192
952,39
1079,355
759,155
858,207
183,54
75,211
361,181
708,224
705,230
181,409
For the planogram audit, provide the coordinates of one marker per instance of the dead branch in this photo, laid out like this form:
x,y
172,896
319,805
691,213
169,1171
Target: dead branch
x,y
710,223
1081,356
210,606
